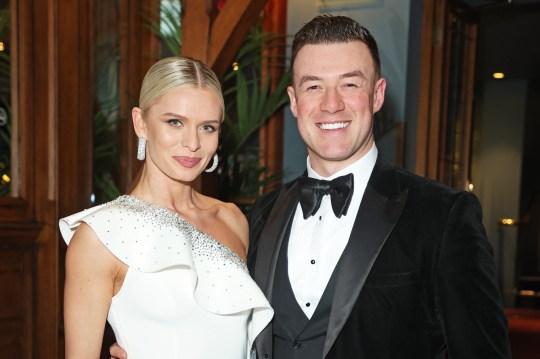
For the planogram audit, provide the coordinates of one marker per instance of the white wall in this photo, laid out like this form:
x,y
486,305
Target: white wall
x,y
388,21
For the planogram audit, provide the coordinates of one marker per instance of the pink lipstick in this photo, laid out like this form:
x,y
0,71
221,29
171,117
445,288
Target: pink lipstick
x,y
186,161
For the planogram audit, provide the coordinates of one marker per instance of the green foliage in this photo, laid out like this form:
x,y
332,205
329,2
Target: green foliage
x,y
251,107
166,22
250,102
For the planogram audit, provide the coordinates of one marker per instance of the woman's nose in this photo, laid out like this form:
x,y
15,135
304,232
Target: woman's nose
x,y
191,140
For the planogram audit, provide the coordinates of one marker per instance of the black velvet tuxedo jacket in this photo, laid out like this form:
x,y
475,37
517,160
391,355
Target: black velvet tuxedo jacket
x,y
417,277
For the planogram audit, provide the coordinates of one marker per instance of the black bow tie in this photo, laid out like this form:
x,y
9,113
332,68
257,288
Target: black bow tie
x,y
312,191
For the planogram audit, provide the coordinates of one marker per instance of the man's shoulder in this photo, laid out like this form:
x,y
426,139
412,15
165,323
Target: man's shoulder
x,y
412,182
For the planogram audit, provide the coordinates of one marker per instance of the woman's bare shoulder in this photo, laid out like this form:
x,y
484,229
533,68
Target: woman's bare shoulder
x,y
230,216
86,250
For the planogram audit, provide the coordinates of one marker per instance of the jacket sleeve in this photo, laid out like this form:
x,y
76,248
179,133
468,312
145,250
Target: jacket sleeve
x,y
468,299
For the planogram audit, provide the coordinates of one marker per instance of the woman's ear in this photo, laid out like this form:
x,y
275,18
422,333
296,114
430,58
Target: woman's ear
x,y
139,124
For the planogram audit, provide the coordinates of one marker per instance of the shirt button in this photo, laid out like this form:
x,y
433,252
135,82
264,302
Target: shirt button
x,y
297,345
313,261
320,218
266,355
308,304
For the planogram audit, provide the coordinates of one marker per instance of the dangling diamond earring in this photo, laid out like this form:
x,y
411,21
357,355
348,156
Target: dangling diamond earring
x,y
214,164
141,149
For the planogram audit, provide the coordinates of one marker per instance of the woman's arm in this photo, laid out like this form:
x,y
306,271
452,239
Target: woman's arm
x,y
90,280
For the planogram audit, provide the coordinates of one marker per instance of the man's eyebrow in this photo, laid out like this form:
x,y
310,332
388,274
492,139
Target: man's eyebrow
x,y
307,78
356,73
346,75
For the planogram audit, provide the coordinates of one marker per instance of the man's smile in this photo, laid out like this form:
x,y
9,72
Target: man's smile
x,y
333,126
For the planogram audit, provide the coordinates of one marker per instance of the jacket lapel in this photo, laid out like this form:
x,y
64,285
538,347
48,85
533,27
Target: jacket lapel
x,y
270,241
272,236
374,222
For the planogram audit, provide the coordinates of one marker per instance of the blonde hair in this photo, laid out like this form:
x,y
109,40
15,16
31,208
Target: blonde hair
x,y
170,73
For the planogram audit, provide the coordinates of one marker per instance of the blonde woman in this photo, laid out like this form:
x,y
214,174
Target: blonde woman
x,y
165,265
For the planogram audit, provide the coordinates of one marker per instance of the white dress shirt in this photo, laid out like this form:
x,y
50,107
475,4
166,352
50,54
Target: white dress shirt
x,y
316,243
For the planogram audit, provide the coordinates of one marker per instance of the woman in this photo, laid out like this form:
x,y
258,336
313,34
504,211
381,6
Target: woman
x,y
165,265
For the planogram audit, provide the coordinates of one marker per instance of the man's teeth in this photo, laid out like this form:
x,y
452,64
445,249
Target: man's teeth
x,y
333,126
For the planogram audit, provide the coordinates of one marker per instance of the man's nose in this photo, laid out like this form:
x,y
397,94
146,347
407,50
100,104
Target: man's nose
x,y
332,101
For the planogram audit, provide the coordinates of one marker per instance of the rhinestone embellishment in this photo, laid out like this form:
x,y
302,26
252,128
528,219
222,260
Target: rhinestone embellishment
x,y
202,245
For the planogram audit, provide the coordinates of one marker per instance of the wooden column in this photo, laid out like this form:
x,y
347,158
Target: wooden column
x,y
431,80
271,134
45,174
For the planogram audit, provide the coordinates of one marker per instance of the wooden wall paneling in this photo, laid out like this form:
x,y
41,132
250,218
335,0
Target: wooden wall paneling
x,y
75,104
229,29
441,168
74,98
17,294
47,180
196,24
431,80
18,232
437,82
425,84
271,134
455,115
139,49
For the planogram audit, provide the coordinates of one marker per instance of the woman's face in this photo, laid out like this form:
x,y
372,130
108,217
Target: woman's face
x,y
182,130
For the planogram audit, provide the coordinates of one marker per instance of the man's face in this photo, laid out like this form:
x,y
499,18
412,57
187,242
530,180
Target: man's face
x,y
334,97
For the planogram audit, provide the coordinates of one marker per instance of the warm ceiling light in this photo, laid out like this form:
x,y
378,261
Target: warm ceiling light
x,y
498,75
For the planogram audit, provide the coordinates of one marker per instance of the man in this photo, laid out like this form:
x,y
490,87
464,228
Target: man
x,y
380,263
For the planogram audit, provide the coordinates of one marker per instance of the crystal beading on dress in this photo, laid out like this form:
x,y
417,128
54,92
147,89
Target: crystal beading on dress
x,y
201,243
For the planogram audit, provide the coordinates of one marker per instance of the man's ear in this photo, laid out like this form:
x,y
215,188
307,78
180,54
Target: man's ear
x,y
378,94
139,124
292,99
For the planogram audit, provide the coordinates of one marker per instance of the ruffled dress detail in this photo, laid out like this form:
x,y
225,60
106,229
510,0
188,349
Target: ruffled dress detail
x,y
185,295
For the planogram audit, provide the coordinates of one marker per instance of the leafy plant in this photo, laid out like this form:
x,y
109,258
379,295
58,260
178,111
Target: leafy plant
x,y
166,22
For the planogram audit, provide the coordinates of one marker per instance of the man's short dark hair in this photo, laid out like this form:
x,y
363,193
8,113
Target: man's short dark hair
x,y
330,29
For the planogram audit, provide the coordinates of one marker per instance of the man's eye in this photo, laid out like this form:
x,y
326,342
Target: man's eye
x,y
350,85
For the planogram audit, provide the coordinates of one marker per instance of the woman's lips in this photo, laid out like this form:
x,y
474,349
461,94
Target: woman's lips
x,y
186,161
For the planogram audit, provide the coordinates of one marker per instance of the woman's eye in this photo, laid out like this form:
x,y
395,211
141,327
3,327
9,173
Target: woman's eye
x,y
208,128
174,122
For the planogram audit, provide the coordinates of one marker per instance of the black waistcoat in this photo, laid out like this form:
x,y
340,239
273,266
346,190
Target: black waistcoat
x,y
296,336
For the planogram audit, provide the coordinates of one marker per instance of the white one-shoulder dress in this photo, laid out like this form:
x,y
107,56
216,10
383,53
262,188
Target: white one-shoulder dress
x,y
185,295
